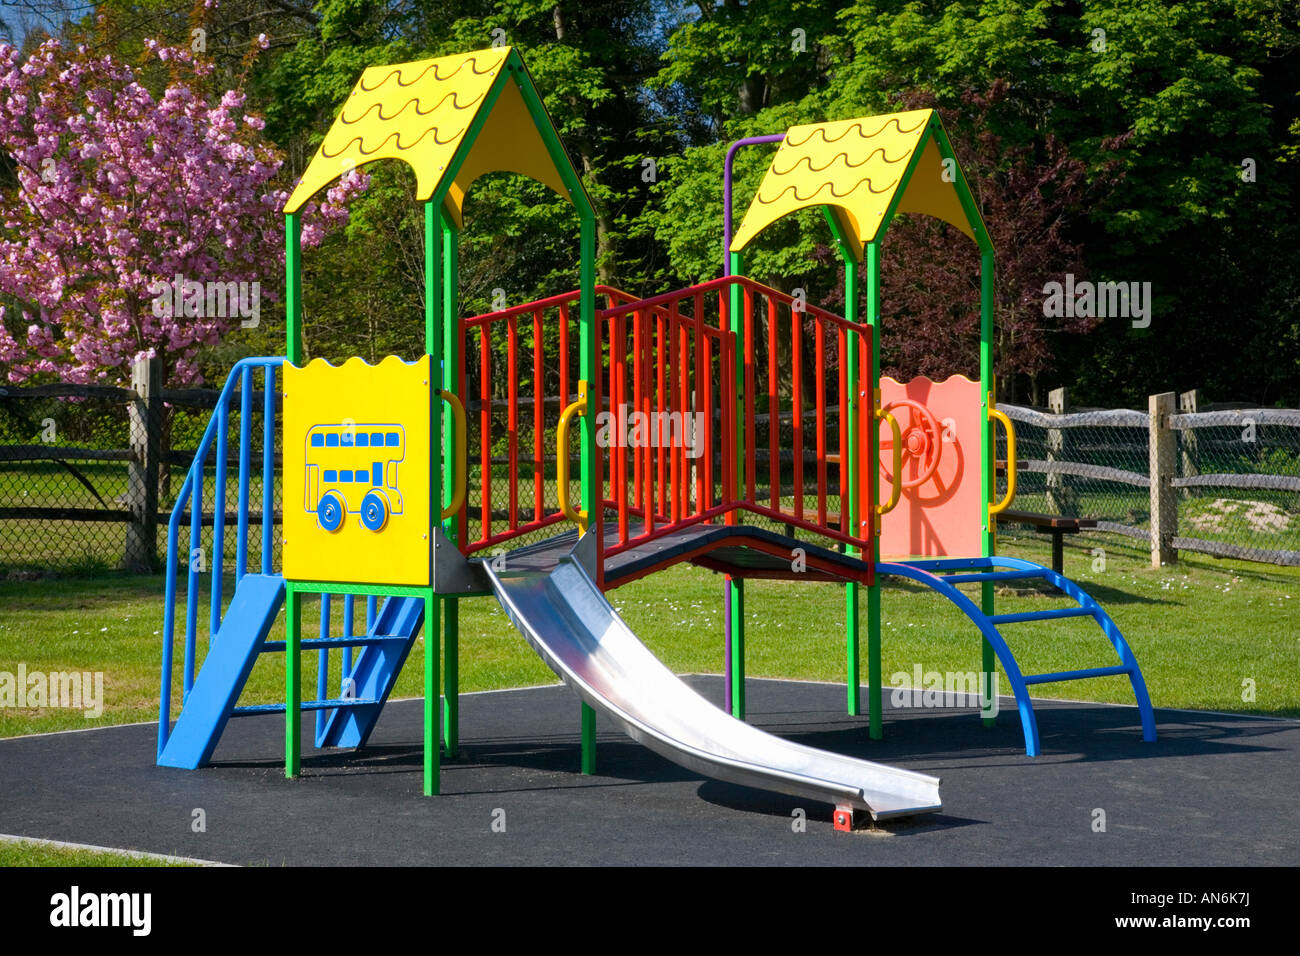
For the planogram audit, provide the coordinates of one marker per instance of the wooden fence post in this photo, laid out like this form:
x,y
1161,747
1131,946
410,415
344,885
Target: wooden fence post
x,y
1189,403
1164,502
1059,498
145,416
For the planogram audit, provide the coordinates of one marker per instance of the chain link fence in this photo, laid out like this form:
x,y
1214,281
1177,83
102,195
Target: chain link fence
x,y
1234,477
65,472
1238,483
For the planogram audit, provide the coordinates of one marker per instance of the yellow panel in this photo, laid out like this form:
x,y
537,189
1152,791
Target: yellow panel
x,y
356,450
416,112
508,142
855,165
929,193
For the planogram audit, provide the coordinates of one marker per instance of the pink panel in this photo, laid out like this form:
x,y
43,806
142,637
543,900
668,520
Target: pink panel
x,y
940,515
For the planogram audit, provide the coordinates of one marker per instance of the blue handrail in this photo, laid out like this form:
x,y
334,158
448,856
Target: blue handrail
x,y
937,574
191,493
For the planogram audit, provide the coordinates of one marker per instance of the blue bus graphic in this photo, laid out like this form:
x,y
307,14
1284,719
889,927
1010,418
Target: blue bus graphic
x,y
352,469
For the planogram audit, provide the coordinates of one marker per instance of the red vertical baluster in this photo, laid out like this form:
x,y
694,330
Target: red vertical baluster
x,y
820,348
485,428
866,508
638,474
512,433
617,403
750,430
700,404
706,370
661,361
844,432
773,410
539,408
682,485
564,380
645,356
796,404
462,389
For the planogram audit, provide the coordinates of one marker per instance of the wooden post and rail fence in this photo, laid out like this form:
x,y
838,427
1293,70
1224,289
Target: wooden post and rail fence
x,y
145,457
1172,472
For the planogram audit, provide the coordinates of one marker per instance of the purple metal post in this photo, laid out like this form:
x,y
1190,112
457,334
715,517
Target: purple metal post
x,y
726,192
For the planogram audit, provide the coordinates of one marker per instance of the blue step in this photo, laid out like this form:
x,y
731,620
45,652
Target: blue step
x,y
256,710
1115,671
359,640
374,672
991,576
231,655
1053,615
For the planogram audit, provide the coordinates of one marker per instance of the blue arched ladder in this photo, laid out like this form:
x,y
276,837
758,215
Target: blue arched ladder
x,y
943,574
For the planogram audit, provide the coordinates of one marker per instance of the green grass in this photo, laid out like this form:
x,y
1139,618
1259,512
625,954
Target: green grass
x,y
1199,629
35,853
1253,518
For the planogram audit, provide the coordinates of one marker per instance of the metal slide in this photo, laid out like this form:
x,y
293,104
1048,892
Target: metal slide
x,y
575,630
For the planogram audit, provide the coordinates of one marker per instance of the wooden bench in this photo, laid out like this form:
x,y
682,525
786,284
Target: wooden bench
x,y
1055,525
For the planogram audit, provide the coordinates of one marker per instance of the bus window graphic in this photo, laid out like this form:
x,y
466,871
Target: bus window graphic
x,y
352,469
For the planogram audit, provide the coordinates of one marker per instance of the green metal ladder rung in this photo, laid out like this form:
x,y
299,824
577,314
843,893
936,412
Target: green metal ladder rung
x,y
327,642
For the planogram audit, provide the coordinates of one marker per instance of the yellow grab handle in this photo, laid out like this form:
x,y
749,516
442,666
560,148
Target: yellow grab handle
x,y
995,415
458,464
897,492
562,457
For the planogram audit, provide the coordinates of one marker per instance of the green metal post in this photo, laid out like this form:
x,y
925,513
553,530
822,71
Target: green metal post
x,y
588,739
434,280
588,370
293,287
432,764
988,449
874,677
853,669
737,638
292,681
736,323
451,362
734,589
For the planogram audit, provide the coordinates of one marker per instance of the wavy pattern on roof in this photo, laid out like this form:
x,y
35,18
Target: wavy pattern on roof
x,y
855,167
417,112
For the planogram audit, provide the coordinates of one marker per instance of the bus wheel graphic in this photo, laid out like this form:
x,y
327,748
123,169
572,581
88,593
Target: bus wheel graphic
x,y
374,511
330,511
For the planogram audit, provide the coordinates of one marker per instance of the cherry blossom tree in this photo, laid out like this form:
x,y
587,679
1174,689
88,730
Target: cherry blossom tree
x,y
119,204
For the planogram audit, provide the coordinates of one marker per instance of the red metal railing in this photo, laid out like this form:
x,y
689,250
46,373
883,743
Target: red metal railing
x,y
669,411
512,435
682,362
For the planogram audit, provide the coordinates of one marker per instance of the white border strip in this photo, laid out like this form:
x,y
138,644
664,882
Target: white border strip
x,y
133,854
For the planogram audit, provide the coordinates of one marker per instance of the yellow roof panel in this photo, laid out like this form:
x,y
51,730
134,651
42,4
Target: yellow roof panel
x,y
855,167
420,113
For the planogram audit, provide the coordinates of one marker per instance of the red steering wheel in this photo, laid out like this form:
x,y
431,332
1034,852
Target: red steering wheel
x,y
922,440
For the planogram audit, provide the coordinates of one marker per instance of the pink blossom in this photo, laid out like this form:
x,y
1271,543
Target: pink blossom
x,y
143,188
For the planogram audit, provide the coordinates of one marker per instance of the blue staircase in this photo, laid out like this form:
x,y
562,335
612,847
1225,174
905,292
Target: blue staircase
x,y
238,631
211,701
943,574
374,673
